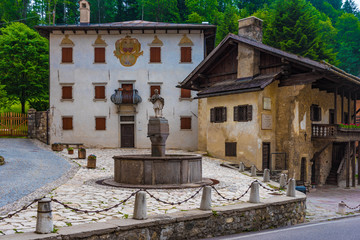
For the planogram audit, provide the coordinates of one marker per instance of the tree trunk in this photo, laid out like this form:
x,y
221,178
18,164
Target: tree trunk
x,y
22,102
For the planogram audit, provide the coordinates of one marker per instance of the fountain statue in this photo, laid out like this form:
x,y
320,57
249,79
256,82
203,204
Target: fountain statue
x,y
158,170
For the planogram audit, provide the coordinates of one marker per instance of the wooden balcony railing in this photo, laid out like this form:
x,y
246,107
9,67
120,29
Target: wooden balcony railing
x,y
334,132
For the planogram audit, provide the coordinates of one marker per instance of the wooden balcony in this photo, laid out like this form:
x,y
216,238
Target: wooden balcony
x,y
334,132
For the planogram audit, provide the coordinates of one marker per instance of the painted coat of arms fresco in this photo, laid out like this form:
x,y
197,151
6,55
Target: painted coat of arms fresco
x,y
127,50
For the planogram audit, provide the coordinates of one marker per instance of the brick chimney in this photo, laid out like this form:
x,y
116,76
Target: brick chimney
x,y
248,56
251,28
84,12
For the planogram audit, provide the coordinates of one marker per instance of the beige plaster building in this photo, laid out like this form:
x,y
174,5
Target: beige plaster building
x,y
103,75
277,110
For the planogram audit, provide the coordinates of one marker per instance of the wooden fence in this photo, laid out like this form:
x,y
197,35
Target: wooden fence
x,y
13,124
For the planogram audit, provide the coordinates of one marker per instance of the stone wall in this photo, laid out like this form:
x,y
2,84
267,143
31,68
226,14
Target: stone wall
x,y
275,212
38,125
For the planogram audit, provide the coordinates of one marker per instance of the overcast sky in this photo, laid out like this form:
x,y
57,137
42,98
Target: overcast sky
x,y
357,3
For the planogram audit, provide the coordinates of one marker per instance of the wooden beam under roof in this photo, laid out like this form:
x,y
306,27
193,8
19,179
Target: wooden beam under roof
x,y
301,79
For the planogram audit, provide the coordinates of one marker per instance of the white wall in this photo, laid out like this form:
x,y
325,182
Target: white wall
x,y
83,73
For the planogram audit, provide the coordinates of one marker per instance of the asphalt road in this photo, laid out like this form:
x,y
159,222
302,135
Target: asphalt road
x,y
27,168
347,228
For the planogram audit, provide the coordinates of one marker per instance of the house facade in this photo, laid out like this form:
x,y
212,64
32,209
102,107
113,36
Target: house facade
x,y
276,110
102,76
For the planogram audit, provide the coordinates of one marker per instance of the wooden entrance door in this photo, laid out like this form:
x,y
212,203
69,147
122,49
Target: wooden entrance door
x,y
266,155
303,169
127,135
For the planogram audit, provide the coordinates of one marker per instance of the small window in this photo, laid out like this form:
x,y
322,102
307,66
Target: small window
x,y
99,92
315,113
243,113
127,118
67,55
84,5
218,114
152,89
99,55
155,54
331,116
185,93
185,54
100,123
185,123
230,149
66,92
67,123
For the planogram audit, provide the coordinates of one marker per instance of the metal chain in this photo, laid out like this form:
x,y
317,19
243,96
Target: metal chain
x,y
232,199
352,208
173,203
266,188
22,209
96,211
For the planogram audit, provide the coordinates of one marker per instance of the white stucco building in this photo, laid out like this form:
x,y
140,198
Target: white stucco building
x,y
88,62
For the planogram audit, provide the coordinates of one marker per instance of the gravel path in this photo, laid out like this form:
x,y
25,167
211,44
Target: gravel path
x,y
28,167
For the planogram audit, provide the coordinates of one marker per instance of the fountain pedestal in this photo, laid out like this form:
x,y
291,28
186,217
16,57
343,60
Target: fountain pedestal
x,y
158,131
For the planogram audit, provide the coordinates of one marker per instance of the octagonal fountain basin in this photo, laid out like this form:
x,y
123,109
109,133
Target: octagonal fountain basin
x,y
146,171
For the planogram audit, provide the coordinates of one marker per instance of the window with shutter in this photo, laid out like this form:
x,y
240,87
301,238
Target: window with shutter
x,y
243,113
315,113
249,113
100,123
66,92
155,54
67,123
99,53
218,114
185,93
67,55
152,89
230,149
185,54
212,115
185,123
99,92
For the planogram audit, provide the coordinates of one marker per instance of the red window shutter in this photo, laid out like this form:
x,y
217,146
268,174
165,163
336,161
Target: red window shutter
x,y
185,123
99,55
67,123
67,92
155,54
99,92
186,54
100,123
67,55
185,93
152,90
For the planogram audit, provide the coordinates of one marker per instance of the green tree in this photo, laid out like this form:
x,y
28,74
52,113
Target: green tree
x,y
3,97
350,7
206,9
294,26
23,63
161,10
228,23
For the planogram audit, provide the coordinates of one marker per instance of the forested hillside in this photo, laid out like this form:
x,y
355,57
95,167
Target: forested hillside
x,y
317,29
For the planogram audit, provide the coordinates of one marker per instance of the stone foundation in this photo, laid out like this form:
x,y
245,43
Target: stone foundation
x,y
38,125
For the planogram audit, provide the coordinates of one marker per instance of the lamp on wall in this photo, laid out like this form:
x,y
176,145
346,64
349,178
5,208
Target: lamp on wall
x,y
305,135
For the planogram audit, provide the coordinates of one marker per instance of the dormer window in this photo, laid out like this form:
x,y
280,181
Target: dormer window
x,y
155,50
66,50
99,50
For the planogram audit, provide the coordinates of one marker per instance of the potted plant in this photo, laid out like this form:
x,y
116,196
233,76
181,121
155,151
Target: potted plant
x,y
91,161
57,147
81,153
2,160
70,150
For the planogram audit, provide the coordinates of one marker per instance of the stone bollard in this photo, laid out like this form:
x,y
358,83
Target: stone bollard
x,y
266,175
206,199
341,208
291,192
241,167
253,171
140,210
44,223
282,180
254,193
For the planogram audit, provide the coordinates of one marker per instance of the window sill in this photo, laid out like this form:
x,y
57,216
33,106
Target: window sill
x,y
99,62
186,130
100,100
66,100
67,63
68,129
185,62
185,99
155,62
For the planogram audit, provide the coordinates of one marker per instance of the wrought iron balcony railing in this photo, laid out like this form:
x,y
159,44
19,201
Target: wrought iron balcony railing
x,y
125,97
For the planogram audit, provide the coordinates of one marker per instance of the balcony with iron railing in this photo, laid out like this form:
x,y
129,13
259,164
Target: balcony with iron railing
x,y
122,96
335,132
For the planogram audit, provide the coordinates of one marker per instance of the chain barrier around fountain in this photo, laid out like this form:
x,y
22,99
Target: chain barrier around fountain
x,y
158,170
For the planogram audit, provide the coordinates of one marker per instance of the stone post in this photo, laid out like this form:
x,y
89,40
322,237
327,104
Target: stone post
x,y
266,175
254,193
253,171
140,210
341,208
282,180
206,199
241,167
31,123
291,192
44,223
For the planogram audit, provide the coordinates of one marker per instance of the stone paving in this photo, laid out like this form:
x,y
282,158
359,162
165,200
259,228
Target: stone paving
x,y
83,192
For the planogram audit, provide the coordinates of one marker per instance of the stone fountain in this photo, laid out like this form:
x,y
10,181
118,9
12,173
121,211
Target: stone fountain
x,y
158,170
